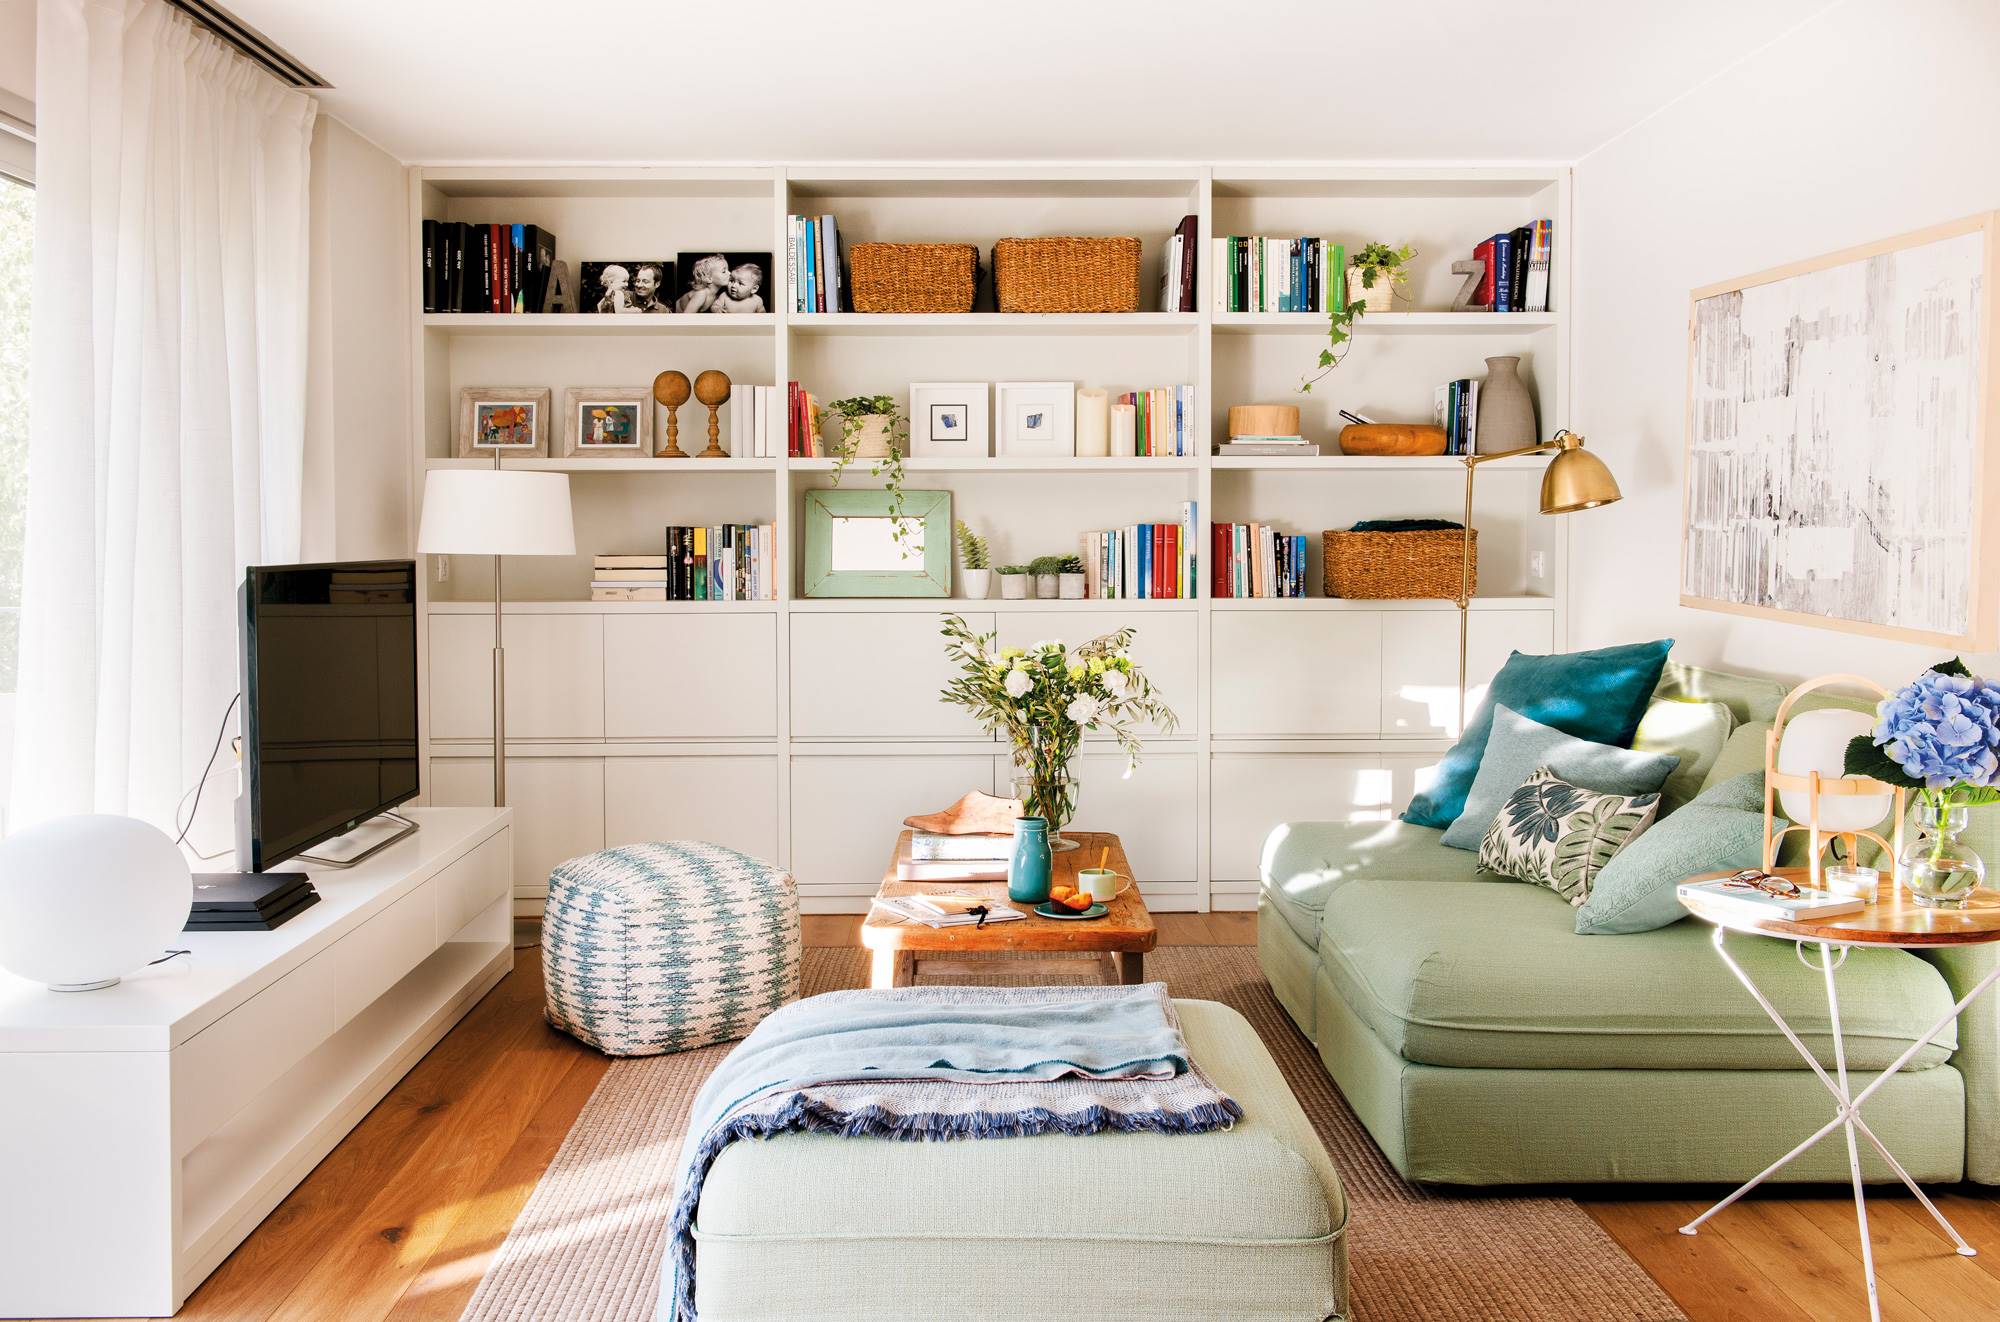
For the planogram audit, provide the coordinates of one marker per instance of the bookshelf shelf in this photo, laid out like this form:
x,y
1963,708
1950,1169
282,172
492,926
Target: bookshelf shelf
x,y
1000,605
989,323
1367,463
1387,323
664,467
1364,604
589,323
570,607
1118,467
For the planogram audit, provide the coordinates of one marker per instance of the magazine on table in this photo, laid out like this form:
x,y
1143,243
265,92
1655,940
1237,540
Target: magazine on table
x,y
1772,897
947,910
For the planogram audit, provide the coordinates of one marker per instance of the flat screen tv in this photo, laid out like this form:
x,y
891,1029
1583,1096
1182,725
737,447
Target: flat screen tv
x,y
329,702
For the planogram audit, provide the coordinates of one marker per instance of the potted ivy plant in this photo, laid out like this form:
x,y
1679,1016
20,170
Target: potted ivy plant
x,y
975,572
1047,570
872,427
1372,277
1071,578
1013,582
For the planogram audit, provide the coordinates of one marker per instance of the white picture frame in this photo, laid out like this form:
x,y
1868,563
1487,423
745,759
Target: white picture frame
x,y
1035,419
940,408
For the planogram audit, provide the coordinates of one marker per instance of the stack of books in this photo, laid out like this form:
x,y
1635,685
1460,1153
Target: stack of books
x,y
1256,560
1177,268
1162,422
1455,407
754,422
1144,560
248,901
1257,274
1517,269
816,264
929,856
802,412
486,268
1239,446
727,562
948,910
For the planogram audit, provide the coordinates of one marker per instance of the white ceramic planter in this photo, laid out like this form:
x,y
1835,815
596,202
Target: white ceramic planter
x,y
1072,587
976,583
1013,587
1046,586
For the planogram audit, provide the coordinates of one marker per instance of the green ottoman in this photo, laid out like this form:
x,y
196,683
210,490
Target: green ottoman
x,y
1246,1224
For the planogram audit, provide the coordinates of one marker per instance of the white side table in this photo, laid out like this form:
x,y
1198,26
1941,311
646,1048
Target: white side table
x,y
1893,920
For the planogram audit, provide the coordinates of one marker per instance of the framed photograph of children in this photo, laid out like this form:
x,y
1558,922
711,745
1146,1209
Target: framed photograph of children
x,y
503,420
723,282
1036,419
636,286
948,419
608,422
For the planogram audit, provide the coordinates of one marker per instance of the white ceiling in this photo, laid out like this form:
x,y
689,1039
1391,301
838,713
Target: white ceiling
x,y
754,80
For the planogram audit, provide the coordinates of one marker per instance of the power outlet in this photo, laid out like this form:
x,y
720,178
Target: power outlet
x,y
444,569
1538,564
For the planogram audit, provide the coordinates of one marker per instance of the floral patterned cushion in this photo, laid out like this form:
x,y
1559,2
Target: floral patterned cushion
x,y
1555,834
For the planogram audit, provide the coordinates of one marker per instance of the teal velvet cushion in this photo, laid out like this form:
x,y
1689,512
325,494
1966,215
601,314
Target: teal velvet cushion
x,y
1721,828
1519,745
1598,695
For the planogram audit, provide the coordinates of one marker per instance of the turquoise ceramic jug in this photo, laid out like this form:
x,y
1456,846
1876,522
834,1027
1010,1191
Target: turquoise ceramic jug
x,y
1030,869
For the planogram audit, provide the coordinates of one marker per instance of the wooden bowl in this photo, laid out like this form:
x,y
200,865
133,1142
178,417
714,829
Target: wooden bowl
x,y
1391,438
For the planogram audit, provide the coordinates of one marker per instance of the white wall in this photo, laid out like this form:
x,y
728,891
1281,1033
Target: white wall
x,y
1876,117
17,48
357,480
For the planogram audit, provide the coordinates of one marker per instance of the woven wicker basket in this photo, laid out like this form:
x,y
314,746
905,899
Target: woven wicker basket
x,y
1406,565
913,277
1066,275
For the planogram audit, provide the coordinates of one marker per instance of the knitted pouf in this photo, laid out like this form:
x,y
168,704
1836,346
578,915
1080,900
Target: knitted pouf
x,y
668,946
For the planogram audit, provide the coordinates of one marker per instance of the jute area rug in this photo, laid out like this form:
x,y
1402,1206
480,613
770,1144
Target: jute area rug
x,y
587,1245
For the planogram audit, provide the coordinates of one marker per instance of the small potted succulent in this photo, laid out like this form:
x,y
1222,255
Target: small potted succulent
x,y
1014,582
975,569
1071,578
1047,570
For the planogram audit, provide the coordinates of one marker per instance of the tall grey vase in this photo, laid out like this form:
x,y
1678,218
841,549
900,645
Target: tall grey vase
x,y
1506,411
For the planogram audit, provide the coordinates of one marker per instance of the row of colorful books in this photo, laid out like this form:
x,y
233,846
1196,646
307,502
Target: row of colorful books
x,y
1517,263
726,562
801,431
1256,560
1163,422
1143,560
1455,407
1258,274
816,262
486,268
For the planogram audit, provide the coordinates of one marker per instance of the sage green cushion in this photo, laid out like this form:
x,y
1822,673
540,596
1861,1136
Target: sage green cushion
x,y
1496,977
1304,862
1744,752
1748,697
1247,1222
1694,732
1519,746
1721,829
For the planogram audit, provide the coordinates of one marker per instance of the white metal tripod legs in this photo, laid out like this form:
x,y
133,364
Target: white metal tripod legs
x,y
1847,1113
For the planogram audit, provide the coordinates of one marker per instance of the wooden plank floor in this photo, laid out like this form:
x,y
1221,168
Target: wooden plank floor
x,y
400,1221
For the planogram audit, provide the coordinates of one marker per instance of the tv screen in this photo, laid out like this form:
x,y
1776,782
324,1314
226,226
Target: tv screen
x,y
329,701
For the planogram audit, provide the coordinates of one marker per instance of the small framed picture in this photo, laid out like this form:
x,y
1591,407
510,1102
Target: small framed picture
x,y
503,420
1037,419
608,422
638,286
948,419
724,282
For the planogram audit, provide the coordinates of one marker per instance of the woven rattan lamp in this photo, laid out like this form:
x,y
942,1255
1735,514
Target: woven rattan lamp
x,y
1574,480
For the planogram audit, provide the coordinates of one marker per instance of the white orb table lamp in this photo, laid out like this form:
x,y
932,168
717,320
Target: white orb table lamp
x,y
85,900
1805,778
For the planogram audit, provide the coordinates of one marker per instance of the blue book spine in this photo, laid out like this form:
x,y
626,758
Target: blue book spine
x,y
812,264
1503,272
1145,560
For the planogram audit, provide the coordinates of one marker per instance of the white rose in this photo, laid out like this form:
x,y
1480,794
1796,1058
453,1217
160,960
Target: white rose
x,y
1018,683
1082,709
1116,682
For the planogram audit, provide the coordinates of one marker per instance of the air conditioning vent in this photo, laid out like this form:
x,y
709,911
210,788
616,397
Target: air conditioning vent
x,y
252,43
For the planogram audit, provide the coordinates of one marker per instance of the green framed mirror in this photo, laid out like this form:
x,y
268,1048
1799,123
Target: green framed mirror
x,y
852,549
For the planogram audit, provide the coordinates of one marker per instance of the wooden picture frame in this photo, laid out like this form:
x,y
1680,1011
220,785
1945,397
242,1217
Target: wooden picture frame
x,y
634,429
845,557
1017,405
480,406
938,409
1856,489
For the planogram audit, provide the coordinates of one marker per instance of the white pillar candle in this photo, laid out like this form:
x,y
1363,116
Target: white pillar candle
x,y
1093,422
1124,431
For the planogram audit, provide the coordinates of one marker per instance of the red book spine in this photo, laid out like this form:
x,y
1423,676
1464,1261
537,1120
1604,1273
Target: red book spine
x,y
1172,533
498,248
1218,560
792,419
1482,297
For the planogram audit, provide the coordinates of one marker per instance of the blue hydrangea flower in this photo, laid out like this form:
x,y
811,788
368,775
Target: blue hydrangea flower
x,y
1943,729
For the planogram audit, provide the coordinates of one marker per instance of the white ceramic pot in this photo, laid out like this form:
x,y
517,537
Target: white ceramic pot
x,y
1046,586
1013,587
1072,587
976,582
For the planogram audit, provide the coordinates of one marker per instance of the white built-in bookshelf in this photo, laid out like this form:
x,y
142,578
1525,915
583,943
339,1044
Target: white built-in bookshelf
x,y
804,730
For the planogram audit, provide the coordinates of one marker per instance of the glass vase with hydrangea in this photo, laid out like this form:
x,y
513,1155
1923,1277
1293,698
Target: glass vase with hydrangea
x,y
1044,698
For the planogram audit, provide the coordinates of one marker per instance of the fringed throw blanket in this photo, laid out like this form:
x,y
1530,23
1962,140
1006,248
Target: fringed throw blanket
x,y
939,1063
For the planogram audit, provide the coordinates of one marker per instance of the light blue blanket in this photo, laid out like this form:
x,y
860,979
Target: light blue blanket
x,y
939,1063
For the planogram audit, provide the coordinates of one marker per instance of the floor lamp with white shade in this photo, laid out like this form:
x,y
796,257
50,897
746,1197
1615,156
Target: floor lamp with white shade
x,y
479,511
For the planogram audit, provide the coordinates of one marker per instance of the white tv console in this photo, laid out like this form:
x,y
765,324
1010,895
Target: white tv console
x,y
150,1126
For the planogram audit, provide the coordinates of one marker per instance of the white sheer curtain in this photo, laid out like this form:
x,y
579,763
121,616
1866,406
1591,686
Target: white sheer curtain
x,y
169,370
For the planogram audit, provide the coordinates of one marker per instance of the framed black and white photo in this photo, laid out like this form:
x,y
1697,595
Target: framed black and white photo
x,y
608,422
503,420
948,419
1036,419
714,281
637,286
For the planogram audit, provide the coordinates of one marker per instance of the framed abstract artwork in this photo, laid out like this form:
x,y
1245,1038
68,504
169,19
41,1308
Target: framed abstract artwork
x,y
503,420
607,422
1841,425
948,419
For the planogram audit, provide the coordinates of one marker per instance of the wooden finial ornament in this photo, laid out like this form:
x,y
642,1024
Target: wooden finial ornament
x,y
671,391
712,388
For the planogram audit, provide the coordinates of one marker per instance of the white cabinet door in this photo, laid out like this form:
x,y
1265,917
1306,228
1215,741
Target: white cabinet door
x,y
1420,663
690,676
1304,672
730,801
555,676
875,675
846,812
1163,645
558,805
1252,793
1153,812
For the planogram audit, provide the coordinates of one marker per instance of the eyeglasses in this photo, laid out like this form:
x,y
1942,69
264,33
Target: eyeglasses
x,y
1757,879
978,911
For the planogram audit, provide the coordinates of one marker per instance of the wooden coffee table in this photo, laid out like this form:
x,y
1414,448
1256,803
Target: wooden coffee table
x,y
1118,941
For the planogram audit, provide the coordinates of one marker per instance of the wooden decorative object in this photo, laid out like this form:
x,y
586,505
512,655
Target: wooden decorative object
x,y
1263,420
1390,438
670,391
712,389
1473,272
560,296
976,813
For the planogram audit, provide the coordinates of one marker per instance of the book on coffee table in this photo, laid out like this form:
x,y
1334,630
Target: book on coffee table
x,y
988,866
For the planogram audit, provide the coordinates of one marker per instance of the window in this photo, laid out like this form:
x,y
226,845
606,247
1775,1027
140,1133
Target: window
x,y
17,245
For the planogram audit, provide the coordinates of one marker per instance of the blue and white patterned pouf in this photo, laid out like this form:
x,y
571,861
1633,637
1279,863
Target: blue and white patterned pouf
x,y
668,946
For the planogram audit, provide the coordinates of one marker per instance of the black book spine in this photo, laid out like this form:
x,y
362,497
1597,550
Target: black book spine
x,y
673,574
455,271
1518,296
431,266
687,564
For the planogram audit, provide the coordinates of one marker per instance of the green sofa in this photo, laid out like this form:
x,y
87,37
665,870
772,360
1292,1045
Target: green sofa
x,y
1483,1042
